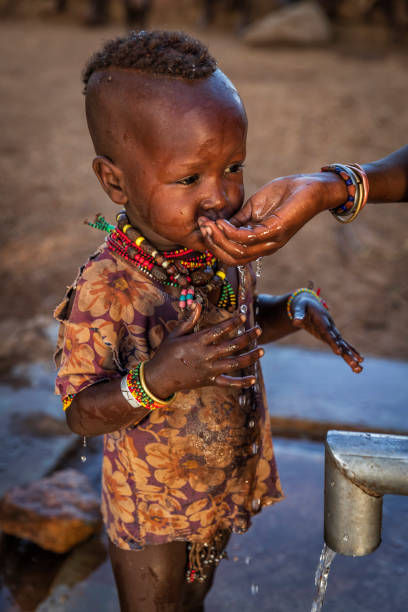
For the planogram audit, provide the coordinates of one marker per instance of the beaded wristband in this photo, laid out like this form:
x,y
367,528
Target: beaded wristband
x,y
67,400
137,386
356,182
297,292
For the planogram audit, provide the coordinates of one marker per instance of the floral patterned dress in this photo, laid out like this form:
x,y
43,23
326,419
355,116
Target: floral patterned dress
x,y
202,464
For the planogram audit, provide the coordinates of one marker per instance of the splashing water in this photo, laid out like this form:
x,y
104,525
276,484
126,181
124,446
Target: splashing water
x,y
321,577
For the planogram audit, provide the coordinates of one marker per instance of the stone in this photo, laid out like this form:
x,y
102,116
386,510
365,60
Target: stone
x,y
303,23
56,512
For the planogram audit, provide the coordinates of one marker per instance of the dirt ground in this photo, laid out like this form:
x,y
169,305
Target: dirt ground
x,y
347,102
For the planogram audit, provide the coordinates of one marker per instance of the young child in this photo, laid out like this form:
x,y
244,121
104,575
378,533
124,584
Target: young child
x,y
158,342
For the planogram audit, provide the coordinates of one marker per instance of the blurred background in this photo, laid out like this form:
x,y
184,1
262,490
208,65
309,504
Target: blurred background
x,y
340,99
326,84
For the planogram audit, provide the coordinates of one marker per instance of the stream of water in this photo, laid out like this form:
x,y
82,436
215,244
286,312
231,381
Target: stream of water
x,y
321,577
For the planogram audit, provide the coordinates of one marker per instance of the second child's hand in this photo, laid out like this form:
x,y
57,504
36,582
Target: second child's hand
x,y
187,360
310,315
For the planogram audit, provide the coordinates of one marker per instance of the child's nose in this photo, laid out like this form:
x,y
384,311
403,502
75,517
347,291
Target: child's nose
x,y
216,202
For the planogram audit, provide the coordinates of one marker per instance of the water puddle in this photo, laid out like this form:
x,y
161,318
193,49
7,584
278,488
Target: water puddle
x,y
322,576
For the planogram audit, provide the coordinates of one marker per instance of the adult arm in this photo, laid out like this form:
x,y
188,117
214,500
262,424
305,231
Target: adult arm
x,y
280,208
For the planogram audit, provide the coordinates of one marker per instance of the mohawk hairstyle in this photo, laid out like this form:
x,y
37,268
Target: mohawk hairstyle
x,y
157,52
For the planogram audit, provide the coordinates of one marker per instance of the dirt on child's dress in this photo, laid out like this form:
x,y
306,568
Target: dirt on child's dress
x,y
201,464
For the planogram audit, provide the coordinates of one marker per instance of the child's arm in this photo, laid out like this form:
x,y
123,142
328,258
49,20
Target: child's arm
x,y
184,361
309,314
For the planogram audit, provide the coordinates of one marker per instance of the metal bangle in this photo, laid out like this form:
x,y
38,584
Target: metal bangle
x,y
127,394
360,194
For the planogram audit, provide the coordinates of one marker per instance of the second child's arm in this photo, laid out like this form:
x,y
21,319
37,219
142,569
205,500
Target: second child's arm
x,y
308,314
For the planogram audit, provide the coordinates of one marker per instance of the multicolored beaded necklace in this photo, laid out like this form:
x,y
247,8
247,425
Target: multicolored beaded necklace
x,y
196,274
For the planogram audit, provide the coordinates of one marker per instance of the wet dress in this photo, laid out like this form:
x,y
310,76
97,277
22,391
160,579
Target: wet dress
x,y
203,463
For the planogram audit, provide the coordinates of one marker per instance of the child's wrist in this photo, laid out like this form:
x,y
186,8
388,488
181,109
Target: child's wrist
x,y
157,382
144,394
303,293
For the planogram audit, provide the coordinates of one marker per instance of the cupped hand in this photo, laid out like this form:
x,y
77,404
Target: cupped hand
x,y
310,315
270,217
187,360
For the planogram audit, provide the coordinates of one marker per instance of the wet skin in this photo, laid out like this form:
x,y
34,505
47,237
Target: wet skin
x,y
281,207
170,151
177,154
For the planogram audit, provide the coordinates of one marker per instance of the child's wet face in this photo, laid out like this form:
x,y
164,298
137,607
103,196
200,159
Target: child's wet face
x,y
181,155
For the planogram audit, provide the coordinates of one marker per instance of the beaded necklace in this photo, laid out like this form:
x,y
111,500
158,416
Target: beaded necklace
x,y
195,274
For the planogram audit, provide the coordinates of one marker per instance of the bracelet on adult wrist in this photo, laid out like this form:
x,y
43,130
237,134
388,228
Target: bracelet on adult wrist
x,y
292,296
136,385
356,182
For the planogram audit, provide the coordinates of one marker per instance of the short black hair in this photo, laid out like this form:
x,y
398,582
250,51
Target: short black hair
x,y
157,52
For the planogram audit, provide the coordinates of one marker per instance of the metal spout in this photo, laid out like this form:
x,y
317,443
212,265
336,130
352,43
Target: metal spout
x,y
359,469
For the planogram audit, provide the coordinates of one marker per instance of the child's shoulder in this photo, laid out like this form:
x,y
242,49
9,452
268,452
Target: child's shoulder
x,y
107,286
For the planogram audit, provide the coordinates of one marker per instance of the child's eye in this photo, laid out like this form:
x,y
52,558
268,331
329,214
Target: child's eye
x,y
234,168
189,180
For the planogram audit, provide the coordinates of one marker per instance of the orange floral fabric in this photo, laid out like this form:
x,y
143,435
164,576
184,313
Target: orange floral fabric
x,y
201,464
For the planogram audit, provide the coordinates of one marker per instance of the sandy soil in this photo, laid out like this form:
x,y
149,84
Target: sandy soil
x,y
305,107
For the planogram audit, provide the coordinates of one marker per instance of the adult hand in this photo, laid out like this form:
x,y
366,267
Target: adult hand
x,y
272,216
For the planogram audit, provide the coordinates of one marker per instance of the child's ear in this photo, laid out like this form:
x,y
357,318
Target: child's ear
x,y
111,179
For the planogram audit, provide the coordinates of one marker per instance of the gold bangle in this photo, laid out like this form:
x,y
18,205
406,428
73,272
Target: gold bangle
x,y
158,400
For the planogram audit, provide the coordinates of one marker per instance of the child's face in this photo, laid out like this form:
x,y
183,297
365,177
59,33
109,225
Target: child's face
x,y
180,157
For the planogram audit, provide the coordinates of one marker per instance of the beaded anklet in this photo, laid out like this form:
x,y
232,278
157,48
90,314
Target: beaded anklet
x,y
292,296
137,386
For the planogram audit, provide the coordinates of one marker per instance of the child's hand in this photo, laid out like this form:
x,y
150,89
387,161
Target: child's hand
x,y
189,360
310,314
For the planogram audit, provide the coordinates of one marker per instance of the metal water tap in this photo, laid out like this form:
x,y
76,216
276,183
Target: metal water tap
x,y
359,469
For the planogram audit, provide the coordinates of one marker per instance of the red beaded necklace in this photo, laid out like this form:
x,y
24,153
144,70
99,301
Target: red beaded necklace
x,y
197,274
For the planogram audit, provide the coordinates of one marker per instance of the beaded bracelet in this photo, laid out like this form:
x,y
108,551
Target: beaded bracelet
x,y
136,384
292,296
356,182
67,400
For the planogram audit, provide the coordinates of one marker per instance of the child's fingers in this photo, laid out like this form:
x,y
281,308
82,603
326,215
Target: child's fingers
x,y
187,325
350,356
239,362
241,382
236,344
218,332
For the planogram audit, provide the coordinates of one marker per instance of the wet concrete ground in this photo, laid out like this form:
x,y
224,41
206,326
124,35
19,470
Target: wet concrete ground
x,y
271,568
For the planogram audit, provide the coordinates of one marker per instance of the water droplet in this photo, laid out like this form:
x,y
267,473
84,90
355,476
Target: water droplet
x,y
242,400
243,308
345,538
254,448
251,424
254,589
240,331
83,458
247,560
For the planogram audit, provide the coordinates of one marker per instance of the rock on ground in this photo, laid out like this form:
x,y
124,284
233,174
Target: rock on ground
x,y
56,512
304,23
